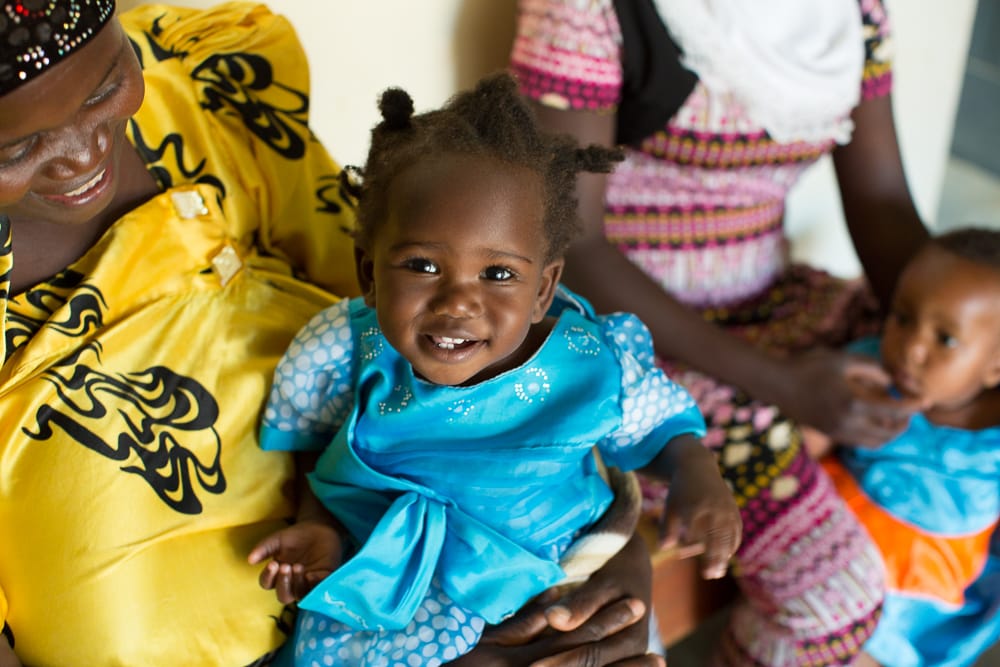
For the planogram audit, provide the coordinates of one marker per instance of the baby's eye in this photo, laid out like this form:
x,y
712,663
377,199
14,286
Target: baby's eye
x,y
499,273
947,340
899,317
421,265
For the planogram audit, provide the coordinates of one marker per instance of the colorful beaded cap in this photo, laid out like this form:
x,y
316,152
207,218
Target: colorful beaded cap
x,y
36,34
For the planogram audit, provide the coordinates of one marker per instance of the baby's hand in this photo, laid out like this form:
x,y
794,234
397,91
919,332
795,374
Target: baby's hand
x,y
701,516
302,555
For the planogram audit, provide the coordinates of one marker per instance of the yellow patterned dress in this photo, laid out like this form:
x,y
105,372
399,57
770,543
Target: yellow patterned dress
x,y
131,483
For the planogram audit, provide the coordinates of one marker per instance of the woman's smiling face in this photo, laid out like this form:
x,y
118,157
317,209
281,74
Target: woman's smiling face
x,y
62,134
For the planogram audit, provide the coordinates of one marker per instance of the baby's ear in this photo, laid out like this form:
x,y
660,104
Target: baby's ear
x,y
547,289
364,268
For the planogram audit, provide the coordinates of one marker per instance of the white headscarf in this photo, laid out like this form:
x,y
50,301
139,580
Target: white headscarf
x,y
795,66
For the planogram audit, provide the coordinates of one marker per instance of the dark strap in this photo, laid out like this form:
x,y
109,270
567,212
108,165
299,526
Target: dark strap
x,y
8,633
655,83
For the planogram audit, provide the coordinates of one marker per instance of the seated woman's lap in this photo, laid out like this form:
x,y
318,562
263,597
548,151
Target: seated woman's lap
x,y
809,574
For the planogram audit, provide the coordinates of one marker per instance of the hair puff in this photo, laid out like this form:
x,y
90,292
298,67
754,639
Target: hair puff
x,y
396,107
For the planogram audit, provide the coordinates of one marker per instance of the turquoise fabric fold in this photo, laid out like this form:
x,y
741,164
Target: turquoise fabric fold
x,y
482,488
382,585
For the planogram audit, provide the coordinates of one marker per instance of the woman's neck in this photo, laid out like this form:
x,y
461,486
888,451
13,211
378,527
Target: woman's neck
x,y
43,249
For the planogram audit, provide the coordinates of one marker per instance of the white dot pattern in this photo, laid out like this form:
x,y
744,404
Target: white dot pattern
x,y
649,398
311,392
439,632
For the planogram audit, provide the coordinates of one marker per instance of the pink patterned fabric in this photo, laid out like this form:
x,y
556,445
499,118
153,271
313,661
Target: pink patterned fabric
x,y
699,205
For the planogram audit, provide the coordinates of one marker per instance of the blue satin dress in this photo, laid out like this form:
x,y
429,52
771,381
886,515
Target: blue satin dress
x,y
462,499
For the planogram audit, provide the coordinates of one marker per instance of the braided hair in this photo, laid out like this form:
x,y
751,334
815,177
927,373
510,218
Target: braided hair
x,y
491,121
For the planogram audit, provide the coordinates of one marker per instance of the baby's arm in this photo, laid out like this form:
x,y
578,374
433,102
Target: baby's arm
x,y
306,552
310,398
701,515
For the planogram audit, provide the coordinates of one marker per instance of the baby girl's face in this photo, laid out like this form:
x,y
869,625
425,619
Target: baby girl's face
x,y
458,272
942,338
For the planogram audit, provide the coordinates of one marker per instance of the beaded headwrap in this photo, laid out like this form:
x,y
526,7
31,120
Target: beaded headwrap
x,y
36,34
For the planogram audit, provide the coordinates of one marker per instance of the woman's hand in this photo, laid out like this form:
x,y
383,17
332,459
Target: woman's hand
x,y
844,396
301,556
602,622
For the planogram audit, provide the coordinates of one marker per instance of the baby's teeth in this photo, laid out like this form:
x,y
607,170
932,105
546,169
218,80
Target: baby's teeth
x,y
448,343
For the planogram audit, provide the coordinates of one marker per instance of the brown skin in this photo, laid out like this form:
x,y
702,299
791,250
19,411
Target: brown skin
x,y
48,149
842,396
865,660
462,254
55,147
7,657
881,218
818,388
941,342
57,133
701,515
616,605
302,555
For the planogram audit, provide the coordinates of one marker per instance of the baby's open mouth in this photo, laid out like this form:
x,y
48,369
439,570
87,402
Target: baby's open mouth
x,y
449,343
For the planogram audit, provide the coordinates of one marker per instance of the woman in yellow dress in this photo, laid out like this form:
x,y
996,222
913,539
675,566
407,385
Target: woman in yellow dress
x,y
167,223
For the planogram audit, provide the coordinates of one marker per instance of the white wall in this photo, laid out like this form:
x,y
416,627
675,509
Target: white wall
x,y
931,47
435,47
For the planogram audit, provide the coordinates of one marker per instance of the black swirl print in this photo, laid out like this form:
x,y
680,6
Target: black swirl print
x,y
80,307
165,418
154,155
236,80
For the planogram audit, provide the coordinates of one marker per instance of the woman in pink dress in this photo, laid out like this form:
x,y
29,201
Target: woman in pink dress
x,y
722,106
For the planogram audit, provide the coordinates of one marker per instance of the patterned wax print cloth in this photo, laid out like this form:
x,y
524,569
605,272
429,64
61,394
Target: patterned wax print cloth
x,y
699,206
131,483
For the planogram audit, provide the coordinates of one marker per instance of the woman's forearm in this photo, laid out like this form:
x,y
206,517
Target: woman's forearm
x,y
882,219
611,282
679,332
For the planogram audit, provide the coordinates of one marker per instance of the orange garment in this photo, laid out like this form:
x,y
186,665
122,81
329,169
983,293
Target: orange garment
x,y
917,562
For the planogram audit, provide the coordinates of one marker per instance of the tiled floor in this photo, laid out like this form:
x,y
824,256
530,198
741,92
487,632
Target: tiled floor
x,y
970,196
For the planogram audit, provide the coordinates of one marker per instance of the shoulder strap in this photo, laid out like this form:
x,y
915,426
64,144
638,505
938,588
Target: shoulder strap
x,y
655,83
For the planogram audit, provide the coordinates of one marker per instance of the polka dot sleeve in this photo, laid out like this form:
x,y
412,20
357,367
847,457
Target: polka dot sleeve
x,y
312,395
654,408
